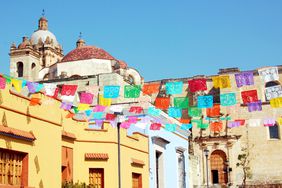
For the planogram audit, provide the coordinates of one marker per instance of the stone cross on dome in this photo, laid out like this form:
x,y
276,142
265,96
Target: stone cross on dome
x,y
43,22
43,12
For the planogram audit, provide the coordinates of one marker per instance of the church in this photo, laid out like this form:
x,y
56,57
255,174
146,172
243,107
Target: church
x,y
233,145
41,57
83,151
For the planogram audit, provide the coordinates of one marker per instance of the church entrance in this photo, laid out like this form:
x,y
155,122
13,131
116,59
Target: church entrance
x,y
218,166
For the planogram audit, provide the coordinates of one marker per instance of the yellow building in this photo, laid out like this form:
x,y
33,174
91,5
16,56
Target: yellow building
x,y
40,147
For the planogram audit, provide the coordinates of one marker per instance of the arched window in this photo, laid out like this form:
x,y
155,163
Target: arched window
x,y
33,66
20,69
272,90
33,70
46,76
274,132
76,76
215,92
131,79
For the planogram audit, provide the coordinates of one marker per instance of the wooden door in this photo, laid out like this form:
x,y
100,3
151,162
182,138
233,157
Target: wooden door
x,y
67,164
218,164
10,168
96,177
136,180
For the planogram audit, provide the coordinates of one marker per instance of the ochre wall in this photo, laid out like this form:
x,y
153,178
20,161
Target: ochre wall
x,y
45,154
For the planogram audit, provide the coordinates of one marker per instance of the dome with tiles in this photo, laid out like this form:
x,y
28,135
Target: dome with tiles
x,y
87,52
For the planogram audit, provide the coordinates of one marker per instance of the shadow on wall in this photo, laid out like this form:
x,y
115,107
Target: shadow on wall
x,y
28,119
4,120
8,144
37,166
41,184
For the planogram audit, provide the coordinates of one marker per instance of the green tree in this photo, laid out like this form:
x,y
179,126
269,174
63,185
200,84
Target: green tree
x,y
75,185
244,163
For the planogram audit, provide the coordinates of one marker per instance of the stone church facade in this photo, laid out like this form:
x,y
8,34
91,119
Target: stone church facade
x,y
260,146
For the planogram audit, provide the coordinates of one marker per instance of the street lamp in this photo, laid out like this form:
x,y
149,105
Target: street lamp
x,y
118,111
119,114
206,152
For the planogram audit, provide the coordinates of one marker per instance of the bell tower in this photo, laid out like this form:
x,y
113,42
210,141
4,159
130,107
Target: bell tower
x,y
23,60
32,58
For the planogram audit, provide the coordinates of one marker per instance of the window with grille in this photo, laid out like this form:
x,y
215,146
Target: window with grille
x,y
96,177
12,167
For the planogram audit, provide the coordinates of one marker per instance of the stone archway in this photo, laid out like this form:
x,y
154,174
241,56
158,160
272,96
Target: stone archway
x,y
218,167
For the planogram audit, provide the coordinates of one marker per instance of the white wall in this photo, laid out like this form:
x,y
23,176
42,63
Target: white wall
x,y
84,67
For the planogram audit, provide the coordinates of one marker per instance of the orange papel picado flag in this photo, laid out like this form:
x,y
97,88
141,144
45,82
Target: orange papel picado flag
x,y
34,101
151,88
216,126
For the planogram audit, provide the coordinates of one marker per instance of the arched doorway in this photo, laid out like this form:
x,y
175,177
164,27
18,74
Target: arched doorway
x,y
218,167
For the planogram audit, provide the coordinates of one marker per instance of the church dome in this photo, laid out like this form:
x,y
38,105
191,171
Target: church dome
x,y
43,34
87,52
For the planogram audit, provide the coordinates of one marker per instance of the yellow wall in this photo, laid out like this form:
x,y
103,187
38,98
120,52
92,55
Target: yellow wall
x,y
46,123
106,142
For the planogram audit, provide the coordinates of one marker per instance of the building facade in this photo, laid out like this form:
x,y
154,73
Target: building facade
x,y
40,147
168,151
41,57
255,145
33,57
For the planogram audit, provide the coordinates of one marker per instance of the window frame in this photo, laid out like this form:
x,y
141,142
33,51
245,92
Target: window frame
x,y
180,154
20,69
91,170
24,167
270,84
278,132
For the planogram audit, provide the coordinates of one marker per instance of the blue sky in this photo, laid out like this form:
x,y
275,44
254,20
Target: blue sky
x,y
161,39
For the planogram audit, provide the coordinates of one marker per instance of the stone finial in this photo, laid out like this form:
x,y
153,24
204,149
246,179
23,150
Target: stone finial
x,y
13,46
47,41
25,39
40,42
24,43
63,74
